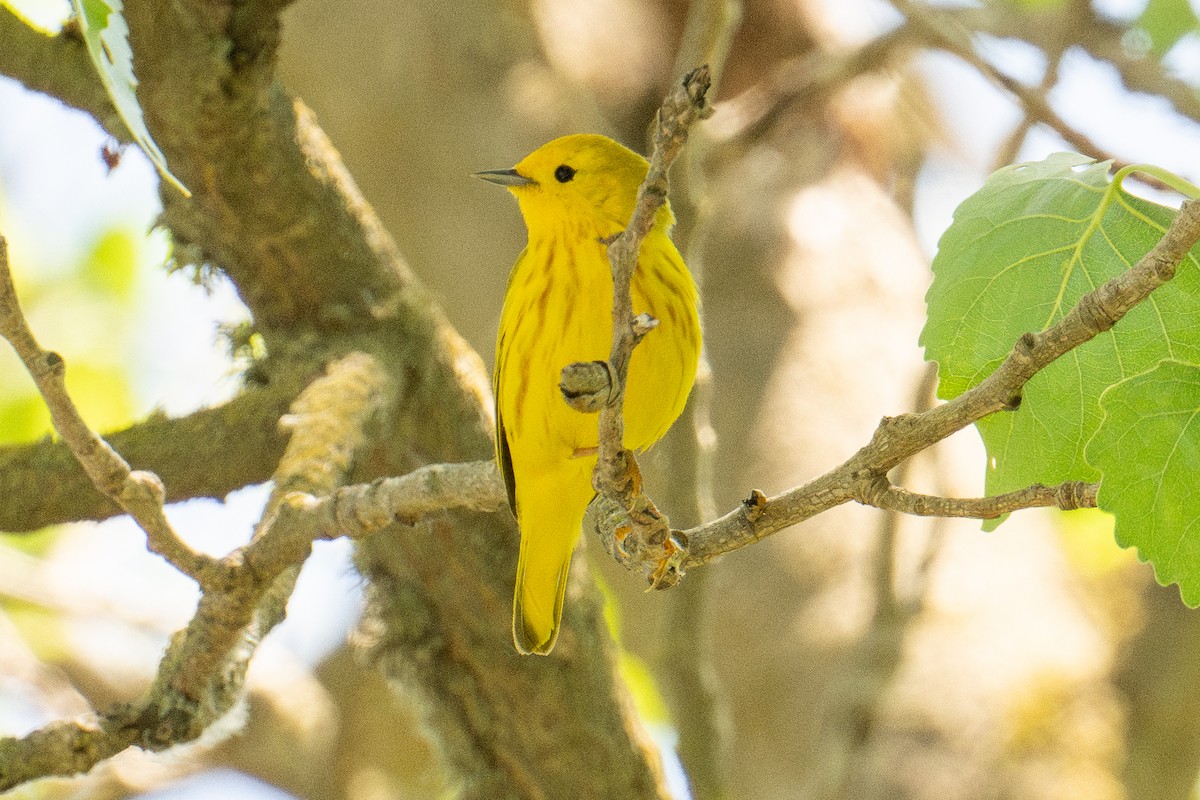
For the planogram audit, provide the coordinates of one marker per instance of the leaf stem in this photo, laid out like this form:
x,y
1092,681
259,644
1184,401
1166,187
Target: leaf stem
x,y
1181,185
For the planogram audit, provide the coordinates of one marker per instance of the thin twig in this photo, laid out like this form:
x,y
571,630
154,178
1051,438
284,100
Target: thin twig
x,y
898,438
1077,24
1067,496
683,662
615,467
139,493
947,33
1007,153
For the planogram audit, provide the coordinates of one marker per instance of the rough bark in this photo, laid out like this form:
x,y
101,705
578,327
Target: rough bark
x,y
275,210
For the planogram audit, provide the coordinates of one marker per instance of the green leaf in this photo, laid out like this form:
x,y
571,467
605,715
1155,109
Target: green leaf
x,y
1018,256
102,23
1148,447
1165,22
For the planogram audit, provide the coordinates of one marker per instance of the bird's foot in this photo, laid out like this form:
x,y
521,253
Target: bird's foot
x,y
670,567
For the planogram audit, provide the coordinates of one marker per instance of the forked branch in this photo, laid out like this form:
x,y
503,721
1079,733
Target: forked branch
x,y
139,493
201,674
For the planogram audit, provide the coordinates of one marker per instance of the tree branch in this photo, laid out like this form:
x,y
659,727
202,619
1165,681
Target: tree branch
x,y
1067,496
201,675
363,509
57,65
615,474
313,263
238,444
139,493
329,421
898,438
683,655
1054,28
861,478
357,511
945,32
1107,41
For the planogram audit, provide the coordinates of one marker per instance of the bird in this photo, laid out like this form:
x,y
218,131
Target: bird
x,y
575,194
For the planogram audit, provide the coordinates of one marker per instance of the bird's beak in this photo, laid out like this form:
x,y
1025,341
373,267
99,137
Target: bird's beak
x,y
505,177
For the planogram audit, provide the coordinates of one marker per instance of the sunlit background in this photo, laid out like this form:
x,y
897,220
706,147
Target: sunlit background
x,y
997,671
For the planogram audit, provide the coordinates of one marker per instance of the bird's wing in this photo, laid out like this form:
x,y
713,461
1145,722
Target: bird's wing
x,y
503,454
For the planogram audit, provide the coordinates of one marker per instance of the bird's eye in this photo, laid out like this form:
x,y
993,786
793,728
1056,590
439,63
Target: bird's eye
x,y
564,173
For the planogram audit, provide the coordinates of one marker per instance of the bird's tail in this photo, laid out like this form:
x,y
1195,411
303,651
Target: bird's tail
x,y
550,507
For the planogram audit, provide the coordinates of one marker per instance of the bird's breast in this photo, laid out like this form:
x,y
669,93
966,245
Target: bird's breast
x,y
559,311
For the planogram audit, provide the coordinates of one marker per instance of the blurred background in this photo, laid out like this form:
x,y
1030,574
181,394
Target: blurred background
x,y
859,656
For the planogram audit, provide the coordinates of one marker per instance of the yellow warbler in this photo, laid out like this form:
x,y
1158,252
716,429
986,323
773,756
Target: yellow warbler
x,y
575,192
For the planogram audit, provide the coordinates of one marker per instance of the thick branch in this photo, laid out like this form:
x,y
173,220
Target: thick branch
x,y
308,253
57,65
276,210
208,453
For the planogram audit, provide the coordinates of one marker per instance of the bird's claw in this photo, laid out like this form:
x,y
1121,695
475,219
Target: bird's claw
x,y
670,567
633,472
620,534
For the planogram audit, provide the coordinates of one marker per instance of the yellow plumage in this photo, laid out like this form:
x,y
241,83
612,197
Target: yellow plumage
x,y
575,192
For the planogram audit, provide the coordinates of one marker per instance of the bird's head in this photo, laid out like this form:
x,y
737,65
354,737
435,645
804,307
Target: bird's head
x,y
580,179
